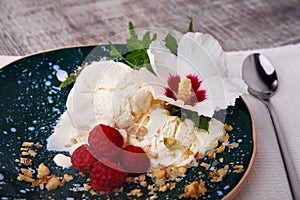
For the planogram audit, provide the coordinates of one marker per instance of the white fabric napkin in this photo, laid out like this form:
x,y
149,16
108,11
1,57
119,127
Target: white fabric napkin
x,y
267,179
4,60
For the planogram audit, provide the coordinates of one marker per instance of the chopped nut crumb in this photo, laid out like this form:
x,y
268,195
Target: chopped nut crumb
x,y
228,127
26,172
195,190
199,155
82,174
221,160
141,132
218,176
25,161
225,138
43,171
27,144
221,149
87,187
93,192
74,141
53,183
136,192
238,168
67,177
212,154
144,183
205,165
142,177
181,170
32,153
159,174
39,146
233,145
27,179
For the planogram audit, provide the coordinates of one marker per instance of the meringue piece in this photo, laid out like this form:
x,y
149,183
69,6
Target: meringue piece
x,y
62,160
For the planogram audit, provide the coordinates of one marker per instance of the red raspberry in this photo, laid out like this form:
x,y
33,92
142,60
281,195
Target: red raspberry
x,y
134,160
106,141
106,176
82,159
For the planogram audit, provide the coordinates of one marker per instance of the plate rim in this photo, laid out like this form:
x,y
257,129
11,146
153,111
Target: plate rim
x,y
241,182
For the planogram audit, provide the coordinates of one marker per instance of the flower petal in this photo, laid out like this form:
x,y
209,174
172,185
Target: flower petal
x,y
173,82
163,62
201,54
195,81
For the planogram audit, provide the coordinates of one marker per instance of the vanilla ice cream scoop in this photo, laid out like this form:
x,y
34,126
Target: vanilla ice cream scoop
x,y
89,103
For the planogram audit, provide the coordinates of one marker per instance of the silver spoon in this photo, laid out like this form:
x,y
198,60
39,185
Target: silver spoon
x,y
261,78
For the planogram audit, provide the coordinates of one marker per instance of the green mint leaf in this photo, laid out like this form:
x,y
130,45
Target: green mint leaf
x,y
130,25
146,40
204,122
191,26
114,52
171,43
71,79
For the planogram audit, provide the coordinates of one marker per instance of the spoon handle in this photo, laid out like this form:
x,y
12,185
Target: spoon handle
x,y
287,159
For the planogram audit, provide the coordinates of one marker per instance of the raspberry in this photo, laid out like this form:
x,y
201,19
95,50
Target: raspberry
x,y
82,159
106,177
134,160
106,141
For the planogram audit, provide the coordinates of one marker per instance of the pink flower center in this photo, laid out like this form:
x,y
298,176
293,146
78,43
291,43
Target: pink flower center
x,y
197,95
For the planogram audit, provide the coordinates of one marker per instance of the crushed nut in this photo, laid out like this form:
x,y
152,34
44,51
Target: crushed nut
x,y
218,176
233,145
195,189
53,183
228,127
205,165
199,155
93,192
238,168
221,160
82,174
141,132
39,146
225,138
159,174
27,144
142,177
212,154
87,187
144,183
67,177
74,141
26,172
32,153
27,179
43,171
25,161
136,192
221,149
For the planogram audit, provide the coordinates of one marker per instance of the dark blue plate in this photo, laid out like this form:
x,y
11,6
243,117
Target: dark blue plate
x,y
31,103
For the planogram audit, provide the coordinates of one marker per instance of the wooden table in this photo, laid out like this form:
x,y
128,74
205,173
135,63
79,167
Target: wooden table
x,y
31,26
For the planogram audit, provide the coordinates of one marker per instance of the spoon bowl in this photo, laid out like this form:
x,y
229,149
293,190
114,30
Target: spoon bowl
x,y
261,78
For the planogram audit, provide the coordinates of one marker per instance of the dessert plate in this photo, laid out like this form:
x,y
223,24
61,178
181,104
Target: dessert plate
x,y
31,103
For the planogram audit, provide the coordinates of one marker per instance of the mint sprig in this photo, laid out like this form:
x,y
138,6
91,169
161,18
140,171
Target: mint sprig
x,y
171,43
136,56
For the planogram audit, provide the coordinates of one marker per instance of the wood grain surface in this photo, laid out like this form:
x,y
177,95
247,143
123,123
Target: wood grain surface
x,y
35,25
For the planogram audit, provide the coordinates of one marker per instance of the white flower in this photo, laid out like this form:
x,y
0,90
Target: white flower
x,y
197,78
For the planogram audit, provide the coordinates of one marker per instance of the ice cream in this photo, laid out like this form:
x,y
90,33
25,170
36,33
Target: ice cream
x,y
111,93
